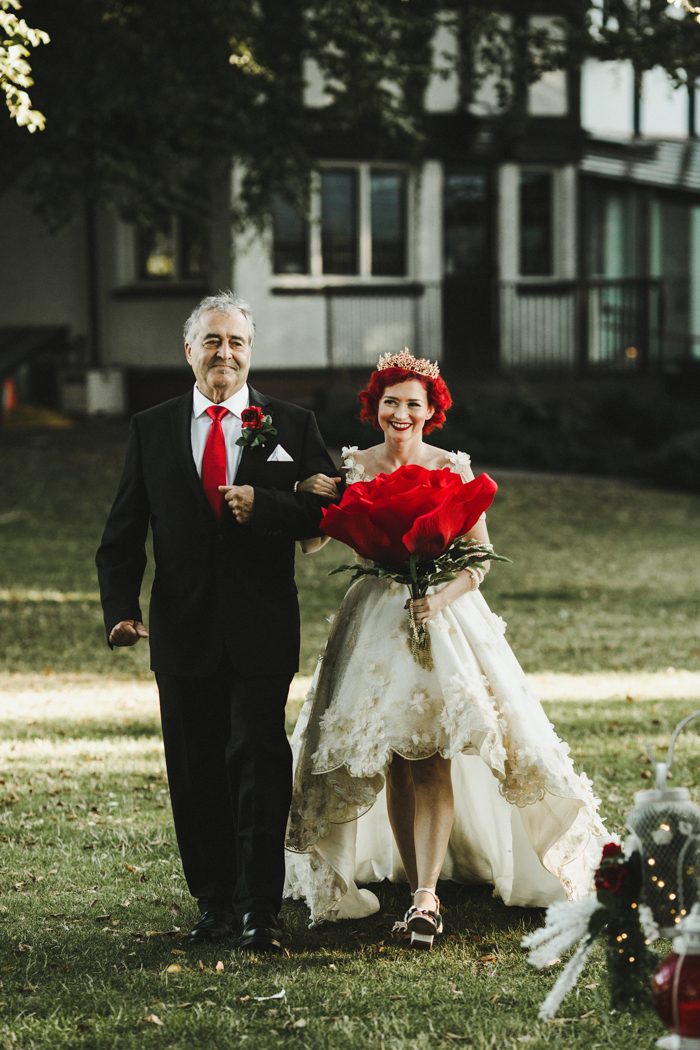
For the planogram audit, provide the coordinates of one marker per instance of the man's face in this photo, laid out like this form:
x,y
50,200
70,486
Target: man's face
x,y
219,354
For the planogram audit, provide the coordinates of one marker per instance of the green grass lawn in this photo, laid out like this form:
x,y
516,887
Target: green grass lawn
x,y
606,578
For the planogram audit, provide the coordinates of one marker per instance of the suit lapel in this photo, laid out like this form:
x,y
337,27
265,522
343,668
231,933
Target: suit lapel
x,y
183,445
251,458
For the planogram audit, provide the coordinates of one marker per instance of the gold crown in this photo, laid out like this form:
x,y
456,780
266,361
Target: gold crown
x,y
421,365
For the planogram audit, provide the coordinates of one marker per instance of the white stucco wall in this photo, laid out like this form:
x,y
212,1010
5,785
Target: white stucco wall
x,y
290,328
607,98
442,92
664,107
548,96
42,276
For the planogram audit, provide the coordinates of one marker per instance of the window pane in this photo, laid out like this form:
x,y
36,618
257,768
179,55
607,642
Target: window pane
x,y
535,223
339,221
156,254
289,238
466,223
388,211
194,252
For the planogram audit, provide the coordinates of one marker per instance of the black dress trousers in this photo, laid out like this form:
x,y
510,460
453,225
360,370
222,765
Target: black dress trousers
x,y
230,776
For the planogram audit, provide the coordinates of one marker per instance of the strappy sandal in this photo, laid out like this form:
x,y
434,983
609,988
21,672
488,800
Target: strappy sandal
x,y
422,924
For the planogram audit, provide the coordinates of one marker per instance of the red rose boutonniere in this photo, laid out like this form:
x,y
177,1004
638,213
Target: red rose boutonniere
x,y
256,427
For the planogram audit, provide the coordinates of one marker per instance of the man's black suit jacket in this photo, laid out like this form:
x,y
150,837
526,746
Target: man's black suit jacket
x,y
219,586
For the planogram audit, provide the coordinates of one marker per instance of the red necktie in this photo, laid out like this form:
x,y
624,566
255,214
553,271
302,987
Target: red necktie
x,y
214,460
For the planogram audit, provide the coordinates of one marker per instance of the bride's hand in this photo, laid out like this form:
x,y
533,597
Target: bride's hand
x,y
320,485
425,609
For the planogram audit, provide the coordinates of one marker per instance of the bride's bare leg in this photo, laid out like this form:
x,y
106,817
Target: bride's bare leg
x,y
401,809
434,814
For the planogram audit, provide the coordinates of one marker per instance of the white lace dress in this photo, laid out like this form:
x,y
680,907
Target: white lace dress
x,y
525,821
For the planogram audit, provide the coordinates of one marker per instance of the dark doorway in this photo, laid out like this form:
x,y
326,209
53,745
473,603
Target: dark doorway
x,y
468,286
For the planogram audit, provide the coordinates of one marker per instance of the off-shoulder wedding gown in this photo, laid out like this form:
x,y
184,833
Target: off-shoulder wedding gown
x,y
525,820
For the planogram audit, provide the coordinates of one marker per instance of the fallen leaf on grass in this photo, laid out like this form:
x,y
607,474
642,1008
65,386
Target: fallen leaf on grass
x,y
173,968
301,1023
487,959
154,1019
264,998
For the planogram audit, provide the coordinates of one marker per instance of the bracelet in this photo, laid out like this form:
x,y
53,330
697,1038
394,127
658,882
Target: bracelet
x,y
476,578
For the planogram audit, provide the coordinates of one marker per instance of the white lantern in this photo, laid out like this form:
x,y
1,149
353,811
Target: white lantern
x,y
665,825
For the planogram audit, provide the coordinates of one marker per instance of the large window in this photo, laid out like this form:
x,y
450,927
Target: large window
x,y
613,231
291,241
358,225
339,232
388,215
536,247
176,251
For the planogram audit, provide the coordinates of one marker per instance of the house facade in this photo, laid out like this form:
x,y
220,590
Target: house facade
x,y
571,243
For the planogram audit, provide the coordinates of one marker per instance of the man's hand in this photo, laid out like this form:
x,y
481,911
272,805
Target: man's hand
x,y
240,500
320,485
127,632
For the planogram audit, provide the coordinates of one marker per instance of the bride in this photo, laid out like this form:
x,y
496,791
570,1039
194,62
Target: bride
x,y
459,762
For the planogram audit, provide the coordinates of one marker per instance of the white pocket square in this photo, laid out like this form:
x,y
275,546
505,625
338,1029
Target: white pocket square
x,y
279,455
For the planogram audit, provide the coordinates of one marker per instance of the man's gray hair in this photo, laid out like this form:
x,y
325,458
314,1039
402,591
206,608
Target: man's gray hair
x,y
226,302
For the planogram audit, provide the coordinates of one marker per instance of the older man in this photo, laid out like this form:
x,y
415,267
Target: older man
x,y
215,474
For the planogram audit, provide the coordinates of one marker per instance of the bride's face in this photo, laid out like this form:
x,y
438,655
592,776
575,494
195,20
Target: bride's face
x,y
404,409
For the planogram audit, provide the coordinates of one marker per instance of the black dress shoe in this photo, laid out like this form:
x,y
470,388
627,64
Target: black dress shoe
x,y
261,932
212,926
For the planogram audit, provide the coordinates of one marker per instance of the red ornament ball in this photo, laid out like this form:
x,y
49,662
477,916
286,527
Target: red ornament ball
x,y
675,989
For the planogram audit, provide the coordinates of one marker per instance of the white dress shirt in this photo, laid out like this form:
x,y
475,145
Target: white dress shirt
x,y
230,425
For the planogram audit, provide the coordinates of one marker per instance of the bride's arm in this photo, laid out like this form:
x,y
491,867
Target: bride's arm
x,y
426,608
315,543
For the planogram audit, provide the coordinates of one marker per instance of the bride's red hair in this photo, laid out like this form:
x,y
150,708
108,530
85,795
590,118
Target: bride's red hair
x,y
436,389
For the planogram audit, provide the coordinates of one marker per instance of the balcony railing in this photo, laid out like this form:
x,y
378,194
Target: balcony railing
x,y
363,322
596,325
592,326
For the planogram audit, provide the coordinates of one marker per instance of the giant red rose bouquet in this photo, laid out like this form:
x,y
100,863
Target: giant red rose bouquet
x,y
410,526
